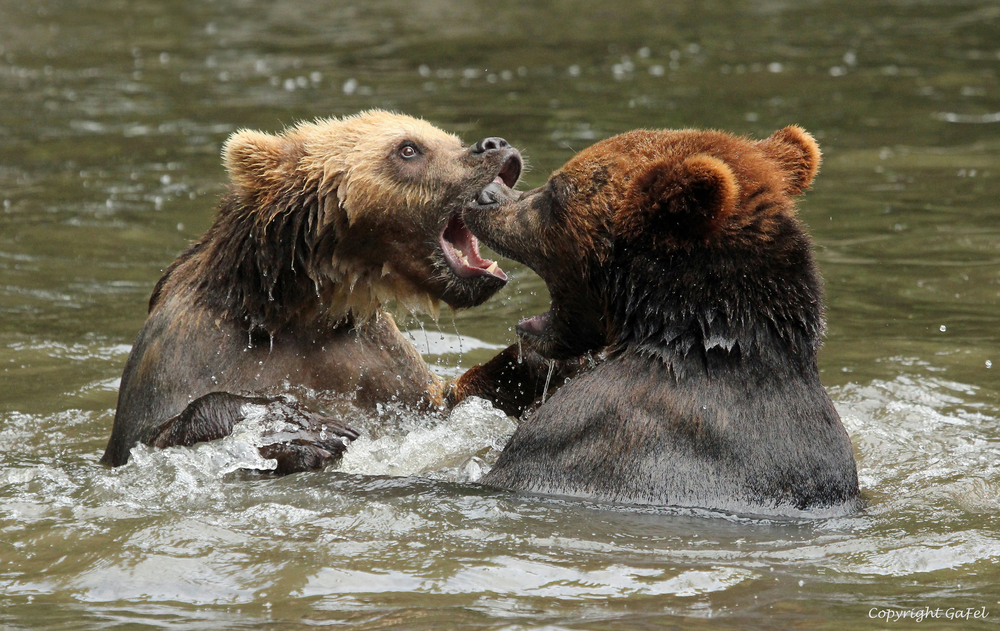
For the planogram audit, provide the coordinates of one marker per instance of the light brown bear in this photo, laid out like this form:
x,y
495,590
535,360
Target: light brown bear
x,y
325,224
679,254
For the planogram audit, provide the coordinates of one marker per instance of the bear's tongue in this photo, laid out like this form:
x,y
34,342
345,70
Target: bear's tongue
x,y
461,250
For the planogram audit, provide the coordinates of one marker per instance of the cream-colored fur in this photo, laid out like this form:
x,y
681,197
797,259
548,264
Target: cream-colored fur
x,y
342,160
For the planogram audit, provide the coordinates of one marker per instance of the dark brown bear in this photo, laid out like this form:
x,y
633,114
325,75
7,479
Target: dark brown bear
x,y
679,254
325,224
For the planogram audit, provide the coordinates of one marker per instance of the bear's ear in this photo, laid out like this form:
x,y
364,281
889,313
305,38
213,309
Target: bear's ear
x,y
256,160
688,200
797,153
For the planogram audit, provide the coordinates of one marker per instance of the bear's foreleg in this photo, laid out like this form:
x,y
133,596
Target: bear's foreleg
x,y
513,380
305,442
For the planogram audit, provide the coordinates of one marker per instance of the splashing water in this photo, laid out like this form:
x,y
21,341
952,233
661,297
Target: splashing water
x,y
460,447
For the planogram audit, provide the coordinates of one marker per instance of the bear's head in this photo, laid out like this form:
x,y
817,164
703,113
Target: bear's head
x,y
669,241
356,212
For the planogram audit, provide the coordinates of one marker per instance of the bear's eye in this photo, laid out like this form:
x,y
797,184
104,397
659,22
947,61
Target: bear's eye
x,y
408,151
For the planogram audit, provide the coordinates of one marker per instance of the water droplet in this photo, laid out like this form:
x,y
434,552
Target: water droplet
x,y
545,390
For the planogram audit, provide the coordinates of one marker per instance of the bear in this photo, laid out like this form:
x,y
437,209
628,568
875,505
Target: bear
x,y
675,263
325,224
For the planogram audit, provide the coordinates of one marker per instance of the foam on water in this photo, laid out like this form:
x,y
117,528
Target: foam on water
x,y
512,576
921,443
461,447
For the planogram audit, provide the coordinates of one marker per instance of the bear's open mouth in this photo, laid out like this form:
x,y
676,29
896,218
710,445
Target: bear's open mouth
x,y
506,178
461,247
510,172
461,251
535,326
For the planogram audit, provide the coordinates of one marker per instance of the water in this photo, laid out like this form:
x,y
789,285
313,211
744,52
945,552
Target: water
x,y
111,122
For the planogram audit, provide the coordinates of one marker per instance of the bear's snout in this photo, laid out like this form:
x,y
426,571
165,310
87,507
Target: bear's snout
x,y
490,144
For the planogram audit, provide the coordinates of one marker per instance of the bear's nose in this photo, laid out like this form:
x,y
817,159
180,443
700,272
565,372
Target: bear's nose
x,y
489,144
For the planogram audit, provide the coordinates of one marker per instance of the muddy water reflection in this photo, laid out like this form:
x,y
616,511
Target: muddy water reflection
x,y
112,119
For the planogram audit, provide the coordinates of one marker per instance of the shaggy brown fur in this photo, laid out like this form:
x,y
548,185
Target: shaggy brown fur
x,y
325,224
679,254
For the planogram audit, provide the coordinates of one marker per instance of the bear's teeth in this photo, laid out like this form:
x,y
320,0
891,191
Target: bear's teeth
x,y
492,269
463,257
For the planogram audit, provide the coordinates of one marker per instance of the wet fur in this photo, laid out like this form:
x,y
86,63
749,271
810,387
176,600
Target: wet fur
x,y
679,254
323,227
